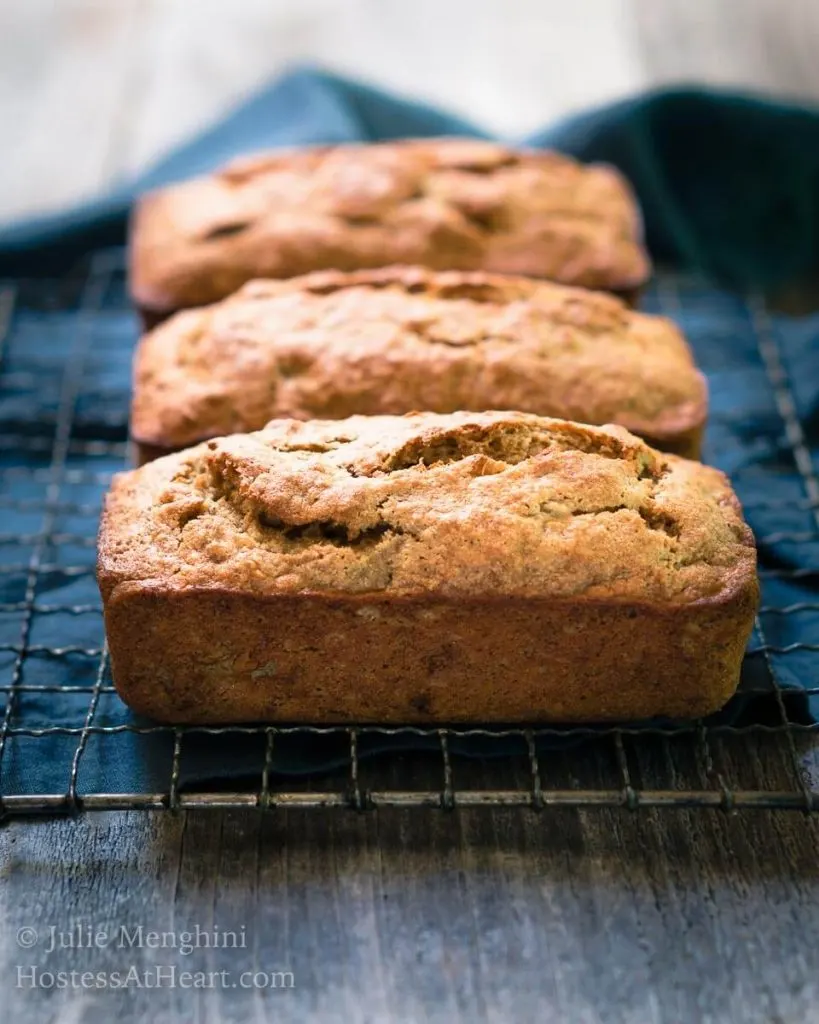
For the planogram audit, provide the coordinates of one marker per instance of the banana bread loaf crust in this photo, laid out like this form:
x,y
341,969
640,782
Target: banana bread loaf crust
x,y
449,204
463,568
331,345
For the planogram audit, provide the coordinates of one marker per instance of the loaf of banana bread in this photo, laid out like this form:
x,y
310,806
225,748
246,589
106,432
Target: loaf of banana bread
x,y
397,340
473,567
450,204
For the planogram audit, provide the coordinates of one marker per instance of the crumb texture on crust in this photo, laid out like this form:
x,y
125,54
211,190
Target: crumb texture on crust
x,y
446,204
330,345
480,505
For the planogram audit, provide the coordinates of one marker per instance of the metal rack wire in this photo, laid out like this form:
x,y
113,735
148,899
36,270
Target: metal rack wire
x,y
67,744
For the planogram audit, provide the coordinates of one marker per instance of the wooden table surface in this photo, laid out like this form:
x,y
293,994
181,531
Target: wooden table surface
x,y
477,915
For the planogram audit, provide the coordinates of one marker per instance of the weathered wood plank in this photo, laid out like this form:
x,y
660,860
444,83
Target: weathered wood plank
x,y
500,63
765,45
64,83
472,916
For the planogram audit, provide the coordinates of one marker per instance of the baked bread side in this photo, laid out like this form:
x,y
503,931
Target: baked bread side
x,y
396,340
449,204
462,568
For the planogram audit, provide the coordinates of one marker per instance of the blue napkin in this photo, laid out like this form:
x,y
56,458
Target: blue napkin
x,y
729,187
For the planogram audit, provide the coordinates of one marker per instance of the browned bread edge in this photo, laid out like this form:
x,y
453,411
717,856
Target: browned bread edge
x,y
517,344
195,644
446,203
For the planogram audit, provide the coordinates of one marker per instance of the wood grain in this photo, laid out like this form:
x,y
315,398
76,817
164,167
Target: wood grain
x,y
762,45
469,916
502,64
65,79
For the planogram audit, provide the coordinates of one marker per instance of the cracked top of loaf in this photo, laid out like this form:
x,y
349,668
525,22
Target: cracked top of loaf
x,y
480,505
331,345
446,203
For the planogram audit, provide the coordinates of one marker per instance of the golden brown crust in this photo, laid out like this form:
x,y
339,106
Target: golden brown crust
x,y
448,204
390,341
471,567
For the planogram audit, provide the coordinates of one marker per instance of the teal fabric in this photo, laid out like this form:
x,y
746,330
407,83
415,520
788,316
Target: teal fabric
x,y
729,185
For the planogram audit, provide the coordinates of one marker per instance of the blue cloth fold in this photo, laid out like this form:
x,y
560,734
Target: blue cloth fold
x,y
729,187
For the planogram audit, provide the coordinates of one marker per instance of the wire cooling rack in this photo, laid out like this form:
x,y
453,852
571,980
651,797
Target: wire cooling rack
x,y
68,744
